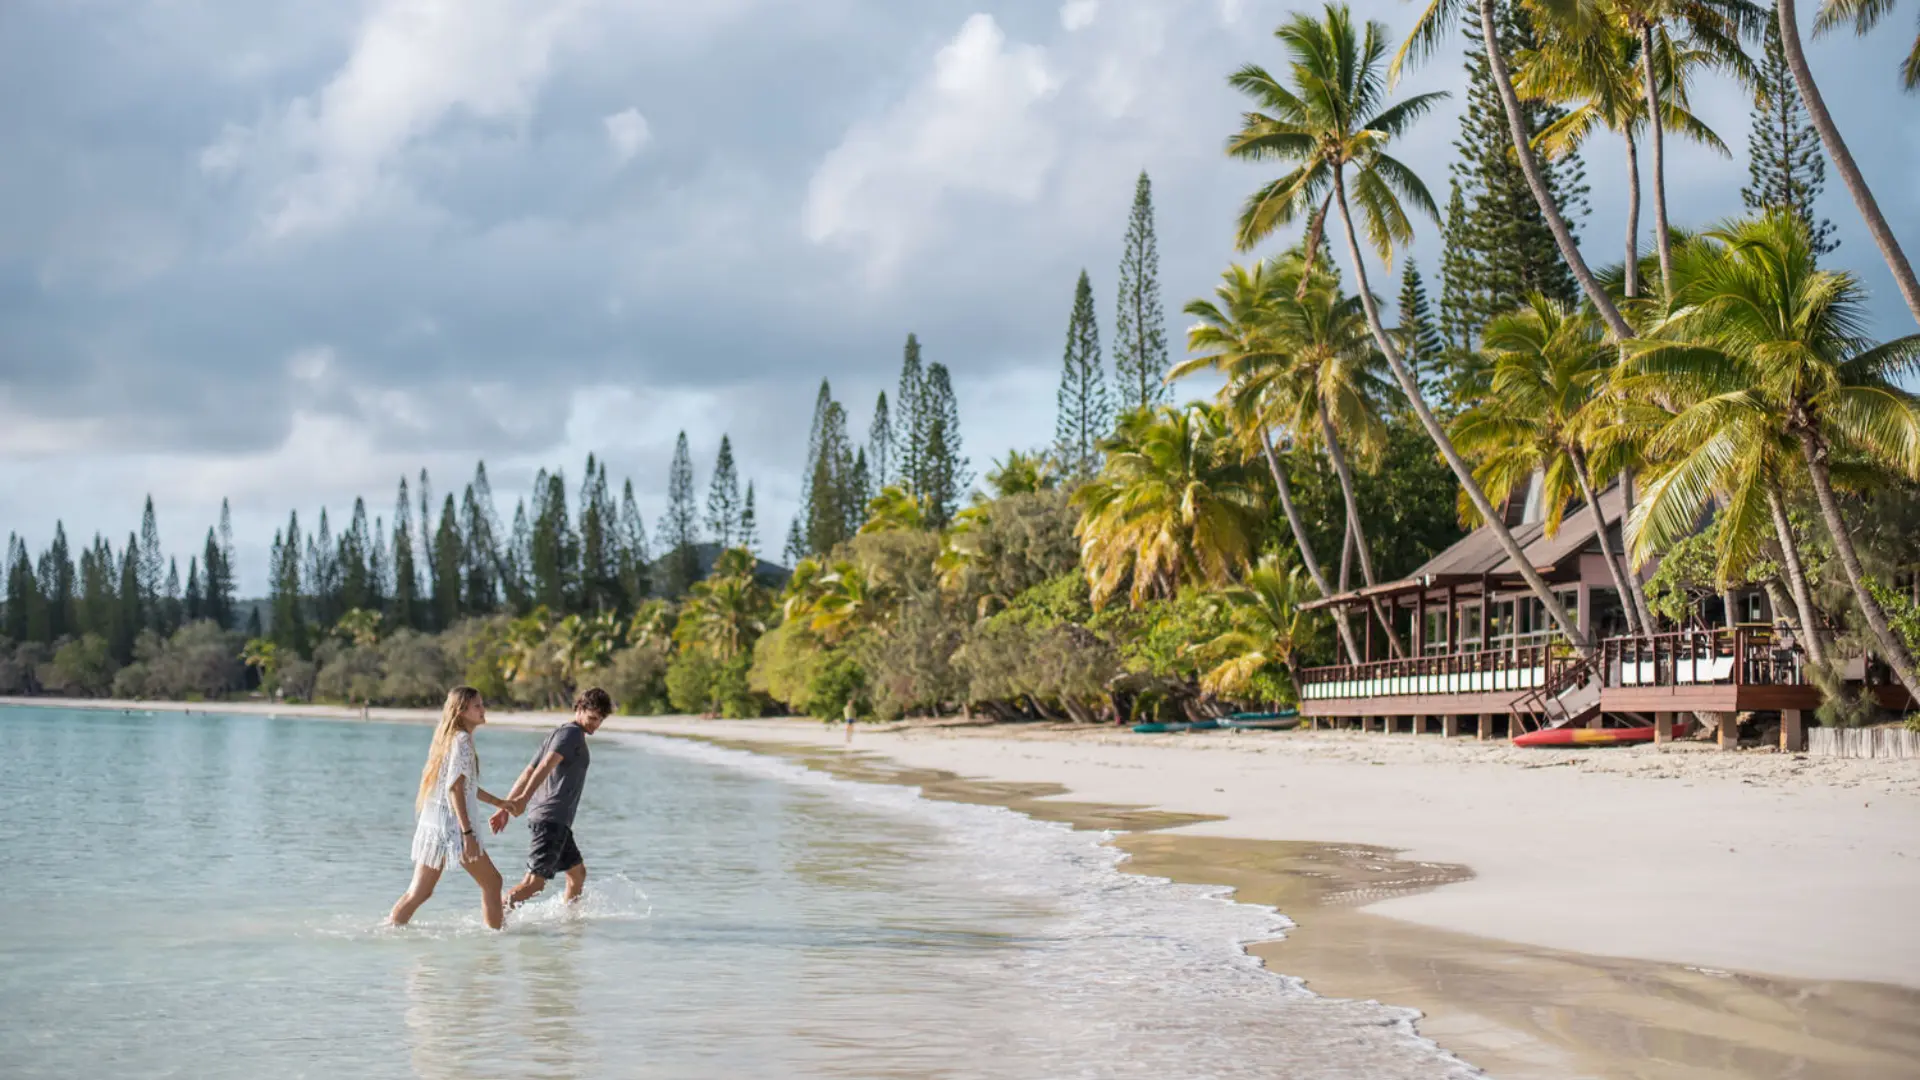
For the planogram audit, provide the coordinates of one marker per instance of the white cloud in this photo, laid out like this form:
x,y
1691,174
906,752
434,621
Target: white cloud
x,y
413,65
972,125
1078,14
627,134
311,365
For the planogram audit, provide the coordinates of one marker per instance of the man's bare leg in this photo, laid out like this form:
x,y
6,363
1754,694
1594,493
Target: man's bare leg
x,y
576,883
529,887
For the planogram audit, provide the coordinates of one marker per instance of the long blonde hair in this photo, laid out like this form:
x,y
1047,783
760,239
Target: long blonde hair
x,y
451,713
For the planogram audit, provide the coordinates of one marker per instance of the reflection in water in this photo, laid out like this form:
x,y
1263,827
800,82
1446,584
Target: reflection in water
x,y
549,985
453,997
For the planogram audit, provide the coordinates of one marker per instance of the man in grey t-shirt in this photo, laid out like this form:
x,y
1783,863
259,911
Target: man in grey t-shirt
x,y
548,792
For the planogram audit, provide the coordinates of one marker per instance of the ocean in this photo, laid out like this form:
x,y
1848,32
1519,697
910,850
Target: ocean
x,y
202,896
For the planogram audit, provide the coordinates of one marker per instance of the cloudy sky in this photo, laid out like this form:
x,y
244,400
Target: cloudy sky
x,y
285,252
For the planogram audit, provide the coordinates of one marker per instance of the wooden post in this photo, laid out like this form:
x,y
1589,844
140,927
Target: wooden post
x,y
1662,727
1368,619
1729,732
1449,726
1793,731
1484,730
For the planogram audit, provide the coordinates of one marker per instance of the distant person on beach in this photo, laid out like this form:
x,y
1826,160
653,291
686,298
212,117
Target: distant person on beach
x,y
448,806
548,792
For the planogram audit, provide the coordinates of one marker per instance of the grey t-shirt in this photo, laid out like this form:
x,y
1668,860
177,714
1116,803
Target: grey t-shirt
x,y
559,794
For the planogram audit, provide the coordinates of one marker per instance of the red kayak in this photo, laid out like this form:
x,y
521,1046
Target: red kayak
x,y
1584,736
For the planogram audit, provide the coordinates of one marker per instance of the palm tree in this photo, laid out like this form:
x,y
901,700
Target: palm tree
x,y
1863,199
1265,625
1330,126
1712,30
1315,375
1594,75
1866,15
1234,337
1428,32
1550,364
727,610
1768,347
1171,505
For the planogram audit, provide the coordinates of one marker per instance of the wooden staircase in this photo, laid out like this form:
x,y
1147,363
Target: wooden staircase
x,y
1568,697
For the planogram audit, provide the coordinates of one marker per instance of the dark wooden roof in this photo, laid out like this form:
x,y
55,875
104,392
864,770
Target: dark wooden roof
x,y
1480,554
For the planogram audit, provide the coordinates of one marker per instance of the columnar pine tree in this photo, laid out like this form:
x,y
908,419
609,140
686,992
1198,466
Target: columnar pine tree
x,y
723,498
830,479
1786,165
1083,415
1503,233
856,492
1458,273
57,583
134,612
379,574
323,576
948,475
99,599
424,558
635,584
152,565
289,614
1140,322
23,591
407,610
793,552
680,525
749,525
216,583
1420,338
600,577
220,586
519,558
910,422
355,556
553,552
170,598
880,444
194,607
449,562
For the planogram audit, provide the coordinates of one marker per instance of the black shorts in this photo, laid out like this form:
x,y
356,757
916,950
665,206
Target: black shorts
x,y
554,852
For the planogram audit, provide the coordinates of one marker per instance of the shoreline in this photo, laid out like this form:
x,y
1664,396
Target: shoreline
x,y
1413,879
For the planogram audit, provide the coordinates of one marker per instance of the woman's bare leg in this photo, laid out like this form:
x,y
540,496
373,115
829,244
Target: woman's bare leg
x,y
488,878
424,879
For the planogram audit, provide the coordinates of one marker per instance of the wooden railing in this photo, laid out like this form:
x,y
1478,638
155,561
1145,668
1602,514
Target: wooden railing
x,y
1452,673
1740,656
1744,655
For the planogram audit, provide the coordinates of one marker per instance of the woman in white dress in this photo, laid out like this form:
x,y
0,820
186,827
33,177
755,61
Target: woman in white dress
x,y
448,806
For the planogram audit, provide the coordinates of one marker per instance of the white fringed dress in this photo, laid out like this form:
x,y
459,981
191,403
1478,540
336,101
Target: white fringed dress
x,y
436,839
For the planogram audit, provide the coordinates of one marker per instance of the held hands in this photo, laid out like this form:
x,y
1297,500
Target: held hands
x,y
513,807
498,820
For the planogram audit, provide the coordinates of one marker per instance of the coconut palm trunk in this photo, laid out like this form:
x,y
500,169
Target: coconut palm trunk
x,y
1614,565
1411,386
1843,158
1341,469
1631,267
1797,587
1891,647
1530,167
1300,540
1656,140
1647,618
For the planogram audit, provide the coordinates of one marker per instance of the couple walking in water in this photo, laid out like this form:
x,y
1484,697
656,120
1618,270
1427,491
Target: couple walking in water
x,y
547,792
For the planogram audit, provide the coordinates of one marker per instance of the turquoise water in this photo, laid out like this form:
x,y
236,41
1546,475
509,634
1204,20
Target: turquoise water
x,y
201,896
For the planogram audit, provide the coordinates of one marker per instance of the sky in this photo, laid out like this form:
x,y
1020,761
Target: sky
x,y
285,253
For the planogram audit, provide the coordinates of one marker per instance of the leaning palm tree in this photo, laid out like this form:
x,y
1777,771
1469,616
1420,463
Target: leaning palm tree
x,y
1330,123
1865,15
1296,358
1428,32
1172,505
1595,77
1549,366
1765,341
1863,199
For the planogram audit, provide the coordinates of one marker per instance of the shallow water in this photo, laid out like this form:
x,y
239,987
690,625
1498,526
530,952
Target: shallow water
x,y
200,896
